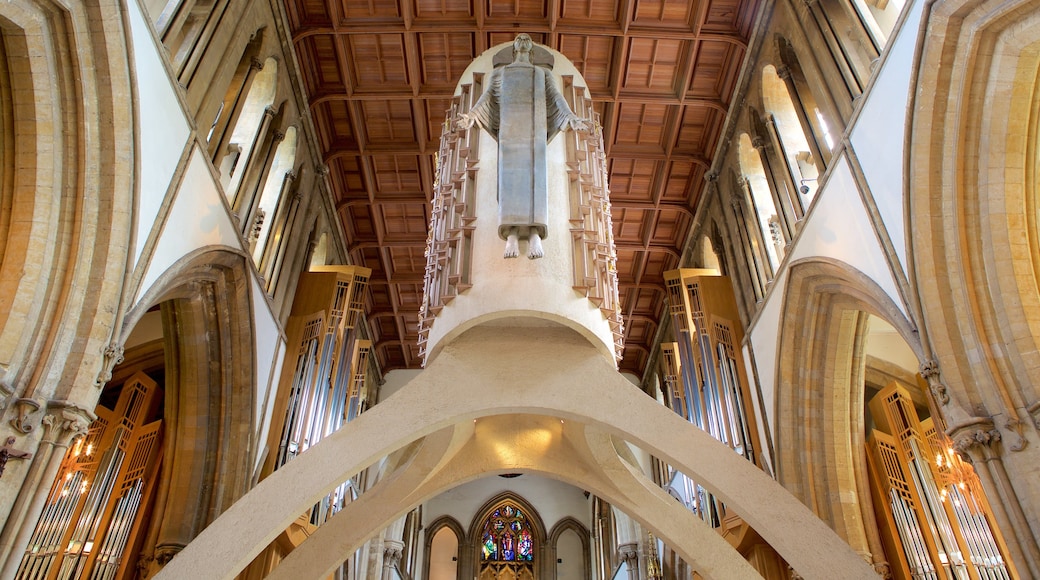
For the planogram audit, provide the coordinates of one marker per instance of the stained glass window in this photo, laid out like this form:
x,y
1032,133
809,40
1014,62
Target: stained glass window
x,y
507,536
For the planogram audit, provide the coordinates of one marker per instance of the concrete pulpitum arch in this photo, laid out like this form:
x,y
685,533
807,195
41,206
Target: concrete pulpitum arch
x,y
535,371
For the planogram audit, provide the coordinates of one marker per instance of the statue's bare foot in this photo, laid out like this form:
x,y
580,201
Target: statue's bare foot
x,y
512,246
534,246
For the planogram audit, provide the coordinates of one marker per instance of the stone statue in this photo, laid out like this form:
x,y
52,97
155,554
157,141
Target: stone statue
x,y
523,110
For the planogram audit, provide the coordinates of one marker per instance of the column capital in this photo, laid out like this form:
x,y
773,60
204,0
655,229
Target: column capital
x,y
64,422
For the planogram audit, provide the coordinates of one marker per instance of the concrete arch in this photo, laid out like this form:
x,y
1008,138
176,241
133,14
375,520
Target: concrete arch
x,y
579,455
564,377
820,393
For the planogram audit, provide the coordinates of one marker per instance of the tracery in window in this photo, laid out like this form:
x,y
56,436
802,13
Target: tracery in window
x,y
507,543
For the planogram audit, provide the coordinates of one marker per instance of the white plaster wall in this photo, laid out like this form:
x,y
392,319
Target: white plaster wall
x,y
764,337
521,287
270,346
162,128
840,228
553,499
198,219
879,134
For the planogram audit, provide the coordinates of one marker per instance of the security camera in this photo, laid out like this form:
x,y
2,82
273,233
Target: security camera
x,y
804,189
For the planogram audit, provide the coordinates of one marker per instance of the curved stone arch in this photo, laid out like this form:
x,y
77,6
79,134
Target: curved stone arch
x,y
820,391
432,529
210,397
974,232
71,149
569,523
571,381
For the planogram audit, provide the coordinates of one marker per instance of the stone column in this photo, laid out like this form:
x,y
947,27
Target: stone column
x,y
629,554
392,552
61,425
979,442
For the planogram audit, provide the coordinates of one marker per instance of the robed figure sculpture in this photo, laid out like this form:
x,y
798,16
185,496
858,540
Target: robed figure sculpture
x,y
523,110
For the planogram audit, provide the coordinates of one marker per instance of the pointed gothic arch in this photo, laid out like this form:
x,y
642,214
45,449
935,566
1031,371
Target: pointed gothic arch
x,y
569,524
820,392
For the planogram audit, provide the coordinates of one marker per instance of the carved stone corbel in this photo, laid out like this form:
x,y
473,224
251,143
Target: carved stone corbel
x,y
23,408
113,355
930,372
392,552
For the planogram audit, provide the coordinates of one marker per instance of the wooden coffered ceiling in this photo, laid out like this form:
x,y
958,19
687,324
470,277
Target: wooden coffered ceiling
x,y
379,75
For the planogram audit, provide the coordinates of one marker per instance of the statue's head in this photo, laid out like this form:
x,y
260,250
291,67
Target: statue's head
x,y
522,44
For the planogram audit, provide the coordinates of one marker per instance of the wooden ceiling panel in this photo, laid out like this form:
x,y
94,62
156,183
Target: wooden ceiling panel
x,y
355,12
653,67
444,10
632,179
665,14
361,226
670,229
406,222
444,57
590,12
517,10
379,75
308,13
325,73
679,181
593,56
388,123
715,71
436,111
338,130
397,174
379,63
695,130
642,127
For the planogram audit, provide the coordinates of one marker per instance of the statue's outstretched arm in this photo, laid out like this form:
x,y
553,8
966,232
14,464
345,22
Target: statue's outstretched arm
x,y
559,113
485,111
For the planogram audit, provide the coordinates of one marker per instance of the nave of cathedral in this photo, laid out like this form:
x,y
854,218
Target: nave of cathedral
x,y
775,311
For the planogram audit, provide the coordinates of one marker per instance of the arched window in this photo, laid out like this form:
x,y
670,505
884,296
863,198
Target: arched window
x,y
763,203
443,537
256,115
507,536
790,138
275,210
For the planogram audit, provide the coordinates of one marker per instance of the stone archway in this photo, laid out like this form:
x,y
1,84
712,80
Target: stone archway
x,y
972,224
820,397
571,381
67,157
206,307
